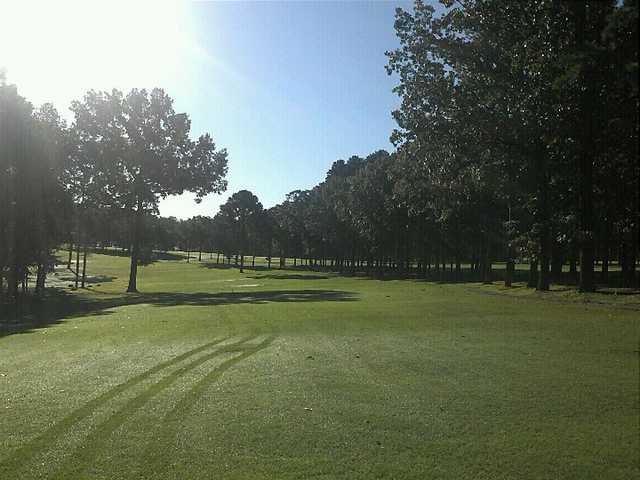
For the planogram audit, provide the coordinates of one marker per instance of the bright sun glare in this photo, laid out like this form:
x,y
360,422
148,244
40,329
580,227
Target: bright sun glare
x,y
65,48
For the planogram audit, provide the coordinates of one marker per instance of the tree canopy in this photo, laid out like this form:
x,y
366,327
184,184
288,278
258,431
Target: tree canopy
x,y
143,152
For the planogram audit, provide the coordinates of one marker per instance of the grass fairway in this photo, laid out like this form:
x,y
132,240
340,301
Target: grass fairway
x,y
281,374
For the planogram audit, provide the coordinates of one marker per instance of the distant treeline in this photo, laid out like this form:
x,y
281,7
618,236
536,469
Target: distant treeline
x,y
517,138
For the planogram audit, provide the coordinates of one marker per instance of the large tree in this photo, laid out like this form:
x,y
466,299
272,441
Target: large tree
x,y
145,153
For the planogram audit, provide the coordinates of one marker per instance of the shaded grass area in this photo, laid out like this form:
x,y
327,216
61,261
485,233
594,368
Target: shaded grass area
x,y
60,305
153,256
293,374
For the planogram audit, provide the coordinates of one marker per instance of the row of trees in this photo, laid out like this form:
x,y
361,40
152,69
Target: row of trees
x,y
369,215
374,214
525,116
517,138
68,183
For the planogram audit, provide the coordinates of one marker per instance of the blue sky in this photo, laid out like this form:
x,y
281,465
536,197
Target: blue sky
x,y
292,88
286,87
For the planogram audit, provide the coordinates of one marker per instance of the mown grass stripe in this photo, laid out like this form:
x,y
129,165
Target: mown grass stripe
x,y
101,433
43,441
156,460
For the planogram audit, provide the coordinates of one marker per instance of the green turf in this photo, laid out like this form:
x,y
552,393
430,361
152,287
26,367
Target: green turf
x,y
284,374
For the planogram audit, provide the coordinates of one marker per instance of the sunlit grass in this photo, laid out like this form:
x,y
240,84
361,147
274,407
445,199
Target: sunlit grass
x,y
210,373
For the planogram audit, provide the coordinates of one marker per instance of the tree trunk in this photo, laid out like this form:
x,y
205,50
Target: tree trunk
x,y
635,280
631,241
604,274
77,262
487,265
135,249
587,282
353,260
573,268
509,272
606,250
510,264
628,260
70,259
544,217
200,254
10,239
633,257
84,263
533,273
40,279
12,280
543,275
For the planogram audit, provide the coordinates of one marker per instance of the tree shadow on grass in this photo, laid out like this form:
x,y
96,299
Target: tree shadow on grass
x,y
30,314
290,276
152,257
259,297
157,255
231,266
68,276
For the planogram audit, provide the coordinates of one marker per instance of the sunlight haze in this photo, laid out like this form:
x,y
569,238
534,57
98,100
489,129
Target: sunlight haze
x,y
286,88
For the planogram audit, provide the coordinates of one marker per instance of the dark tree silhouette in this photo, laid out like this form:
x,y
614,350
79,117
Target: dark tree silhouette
x,y
146,154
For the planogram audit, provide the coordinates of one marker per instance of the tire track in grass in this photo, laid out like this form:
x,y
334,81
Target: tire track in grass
x,y
157,460
91,446
43,441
